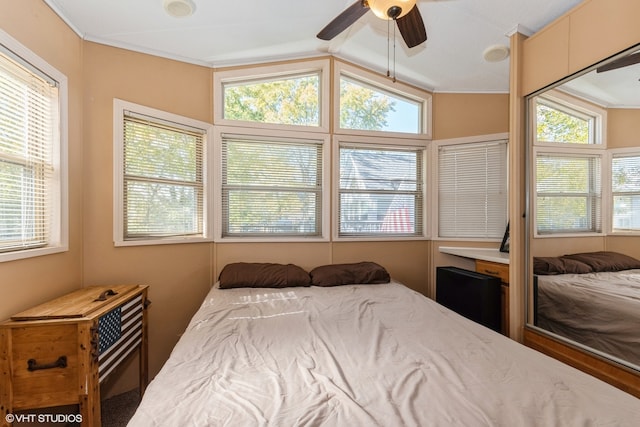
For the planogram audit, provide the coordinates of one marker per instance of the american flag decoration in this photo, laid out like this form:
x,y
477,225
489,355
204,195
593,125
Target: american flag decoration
x,y
118,345
109,329
398,221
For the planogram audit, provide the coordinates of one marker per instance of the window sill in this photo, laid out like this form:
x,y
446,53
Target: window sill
x,y
31,253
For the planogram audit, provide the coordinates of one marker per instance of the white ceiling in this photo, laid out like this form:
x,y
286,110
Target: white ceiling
x,y
618,88
223,33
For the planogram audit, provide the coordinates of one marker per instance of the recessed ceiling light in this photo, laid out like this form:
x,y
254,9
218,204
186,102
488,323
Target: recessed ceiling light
x,y
179,8
496,53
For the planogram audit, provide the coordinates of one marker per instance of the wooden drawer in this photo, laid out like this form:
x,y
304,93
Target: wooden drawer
x,y
45,366
58,353
500,270
494,269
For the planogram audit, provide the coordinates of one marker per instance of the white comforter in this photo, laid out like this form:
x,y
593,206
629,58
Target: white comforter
x,y
363,355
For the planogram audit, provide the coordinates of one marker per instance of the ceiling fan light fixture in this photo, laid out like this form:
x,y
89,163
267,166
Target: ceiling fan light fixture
x,y
496,53
381,8
179,8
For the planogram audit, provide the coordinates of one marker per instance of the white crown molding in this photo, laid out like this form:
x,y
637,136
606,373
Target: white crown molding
x,y
519,28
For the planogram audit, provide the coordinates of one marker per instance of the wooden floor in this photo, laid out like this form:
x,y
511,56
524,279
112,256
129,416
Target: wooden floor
x,y
616,375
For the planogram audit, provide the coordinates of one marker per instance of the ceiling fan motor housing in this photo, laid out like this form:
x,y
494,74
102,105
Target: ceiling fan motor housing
x,y
391,9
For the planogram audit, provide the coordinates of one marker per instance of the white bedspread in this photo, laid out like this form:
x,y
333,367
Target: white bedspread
x,y
363,355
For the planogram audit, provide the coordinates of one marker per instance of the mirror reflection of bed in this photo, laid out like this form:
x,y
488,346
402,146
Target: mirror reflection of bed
x,y
584,219
592,299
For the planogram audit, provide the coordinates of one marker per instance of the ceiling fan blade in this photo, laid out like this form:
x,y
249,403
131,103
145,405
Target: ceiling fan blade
x,y
412,28
342,21
625,61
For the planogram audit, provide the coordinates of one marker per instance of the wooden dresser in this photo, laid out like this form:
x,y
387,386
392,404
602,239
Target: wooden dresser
x,y
502,271
59,352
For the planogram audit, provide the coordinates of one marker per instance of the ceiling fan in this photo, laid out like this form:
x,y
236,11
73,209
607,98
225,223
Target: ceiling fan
x,y
404,12
625,61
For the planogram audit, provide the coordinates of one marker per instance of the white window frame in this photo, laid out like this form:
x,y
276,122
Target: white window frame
x,y
271,72
572,105
379,143
624,152
604,184
384,85
59,222
576,107
250,132
119,108
435,174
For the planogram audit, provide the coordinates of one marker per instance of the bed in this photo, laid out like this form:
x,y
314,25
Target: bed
x,y
593,299
363,354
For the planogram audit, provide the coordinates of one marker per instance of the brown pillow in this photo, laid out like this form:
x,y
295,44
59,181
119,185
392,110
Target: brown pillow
x,y
349,274
559,265
262,275
605,260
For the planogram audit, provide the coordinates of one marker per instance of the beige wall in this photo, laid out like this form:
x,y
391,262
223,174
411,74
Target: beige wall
x,y
24,283
178,275
458,115
623,128
591,32
561,246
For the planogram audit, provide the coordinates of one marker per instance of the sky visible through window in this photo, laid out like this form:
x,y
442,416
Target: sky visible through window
x,y
403,119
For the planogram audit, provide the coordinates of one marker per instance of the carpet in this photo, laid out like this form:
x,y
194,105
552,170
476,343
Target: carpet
x,y
116,411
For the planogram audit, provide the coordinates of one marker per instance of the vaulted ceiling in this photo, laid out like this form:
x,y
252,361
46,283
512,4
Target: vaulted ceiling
x,y
220,34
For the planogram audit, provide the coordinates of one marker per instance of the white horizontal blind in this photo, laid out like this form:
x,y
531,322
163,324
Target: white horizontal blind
x,y
29,130
163,178
381,191
568,193
472,190
625,173
271,187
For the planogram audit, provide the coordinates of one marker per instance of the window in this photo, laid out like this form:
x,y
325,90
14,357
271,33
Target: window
x,y
563,119
33,206
568,193
366,107
570,138
381,191
289,100
371,104
472,190
272,186
625,186
291,96
162,192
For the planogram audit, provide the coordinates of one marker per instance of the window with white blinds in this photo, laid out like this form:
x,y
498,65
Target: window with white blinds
x,y
625,189
271,187
568,193
472,190
381,191
163,181
31,202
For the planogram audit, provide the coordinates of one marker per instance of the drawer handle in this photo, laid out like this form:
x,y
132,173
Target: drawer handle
x,y
60,363
103,296
491,272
